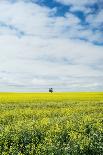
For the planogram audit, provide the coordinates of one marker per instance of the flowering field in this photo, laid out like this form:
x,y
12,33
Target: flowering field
x,y
51,124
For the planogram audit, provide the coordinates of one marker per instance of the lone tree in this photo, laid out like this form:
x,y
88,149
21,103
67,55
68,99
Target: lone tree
x,y
51,90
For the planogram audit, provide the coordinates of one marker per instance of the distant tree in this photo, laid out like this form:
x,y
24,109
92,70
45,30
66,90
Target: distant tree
x,y
51,90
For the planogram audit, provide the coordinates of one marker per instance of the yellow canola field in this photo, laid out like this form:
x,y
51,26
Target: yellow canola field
x,y
51,123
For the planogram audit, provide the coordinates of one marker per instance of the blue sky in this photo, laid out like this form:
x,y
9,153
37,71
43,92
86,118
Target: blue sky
x,y
57,43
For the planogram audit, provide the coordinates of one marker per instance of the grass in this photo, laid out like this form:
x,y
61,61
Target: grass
x,y
51,124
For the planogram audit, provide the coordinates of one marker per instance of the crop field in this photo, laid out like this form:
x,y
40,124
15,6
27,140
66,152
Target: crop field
x,y
51,123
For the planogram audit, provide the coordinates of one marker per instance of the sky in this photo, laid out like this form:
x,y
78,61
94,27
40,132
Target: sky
x,y
51,43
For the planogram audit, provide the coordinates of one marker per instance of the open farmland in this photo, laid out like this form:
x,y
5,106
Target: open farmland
x,y
51,124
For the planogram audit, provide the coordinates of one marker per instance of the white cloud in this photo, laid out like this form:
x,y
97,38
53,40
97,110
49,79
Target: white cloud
x,y
95,20
45,54
77,2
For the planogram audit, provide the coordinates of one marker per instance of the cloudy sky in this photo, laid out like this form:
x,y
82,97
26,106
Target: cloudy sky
x,y
51,43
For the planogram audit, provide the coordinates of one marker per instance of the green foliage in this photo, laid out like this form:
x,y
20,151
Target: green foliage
x,y
51,124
